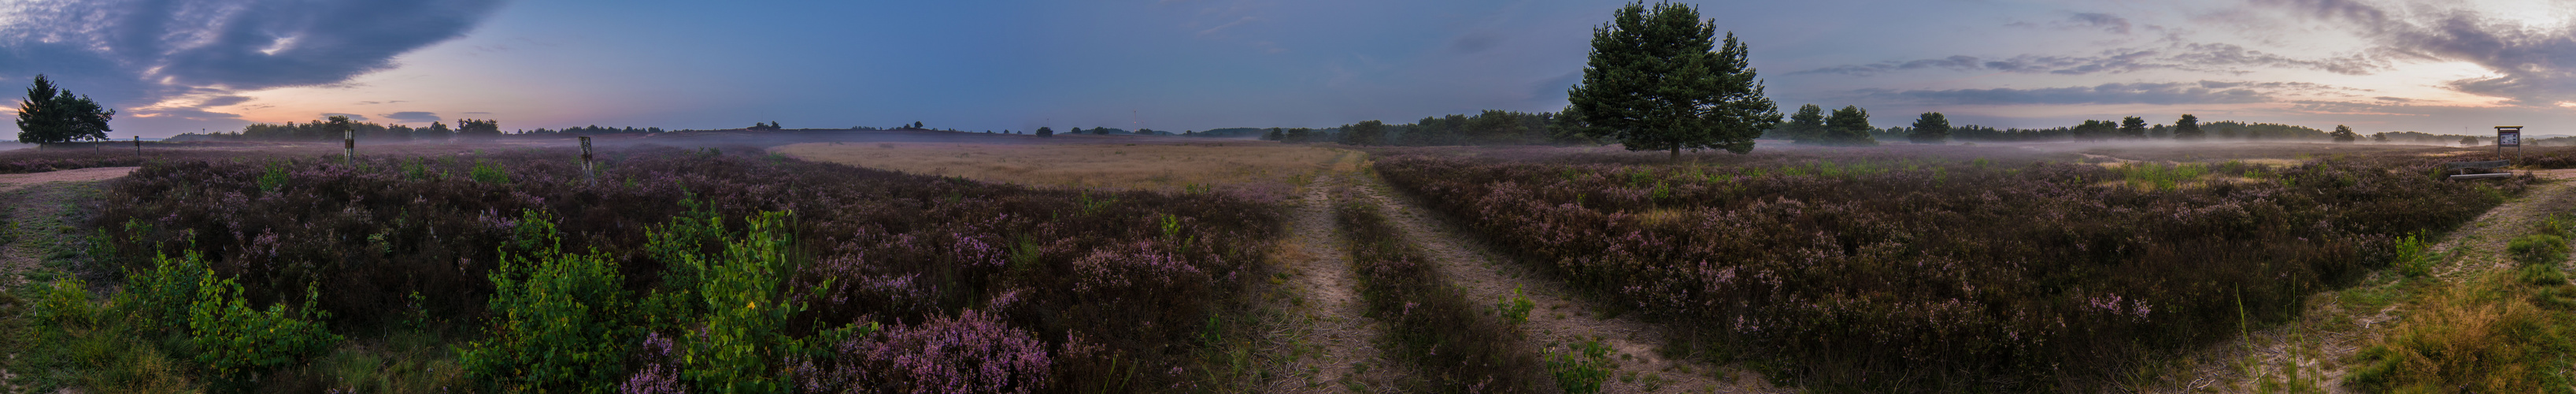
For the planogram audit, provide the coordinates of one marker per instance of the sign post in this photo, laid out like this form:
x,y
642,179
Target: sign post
x,y
2509,136
586,173
349,141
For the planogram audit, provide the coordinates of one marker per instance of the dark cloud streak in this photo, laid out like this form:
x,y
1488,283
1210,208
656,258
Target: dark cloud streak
x,y
2164,93
140,52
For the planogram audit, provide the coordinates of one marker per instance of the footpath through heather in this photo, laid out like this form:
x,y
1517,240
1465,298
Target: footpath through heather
x,y
1328,343
35,211
2318,350
1561,318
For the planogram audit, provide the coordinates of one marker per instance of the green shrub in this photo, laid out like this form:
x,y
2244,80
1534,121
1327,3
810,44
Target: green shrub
x,y
556,324
2412,258
488,172
236,342
1581,367
1516,308
2538,249
65,302
741,339
272,178
164,293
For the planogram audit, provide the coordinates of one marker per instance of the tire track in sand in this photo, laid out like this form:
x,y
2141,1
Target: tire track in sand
x,y
1487,276
1331,342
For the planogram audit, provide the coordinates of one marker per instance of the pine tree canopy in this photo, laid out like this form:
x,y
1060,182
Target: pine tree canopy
x,y
51,115
1658,80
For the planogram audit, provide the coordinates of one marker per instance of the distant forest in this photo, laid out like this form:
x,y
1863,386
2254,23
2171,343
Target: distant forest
x,y
1492,127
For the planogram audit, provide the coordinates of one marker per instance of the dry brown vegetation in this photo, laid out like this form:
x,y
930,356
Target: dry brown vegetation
x,y
1253,166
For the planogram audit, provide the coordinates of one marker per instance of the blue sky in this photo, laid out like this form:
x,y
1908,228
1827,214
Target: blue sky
x,y
174,66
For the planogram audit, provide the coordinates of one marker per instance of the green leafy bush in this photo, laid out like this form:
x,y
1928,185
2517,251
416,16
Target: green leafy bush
x,y
742,338
65,302
273,178
164,293
489,172
1581,367
2412,258
2538,249
1516,308
237,342
557,321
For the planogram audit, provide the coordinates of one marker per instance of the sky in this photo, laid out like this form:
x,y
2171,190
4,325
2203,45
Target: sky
x,y
174,66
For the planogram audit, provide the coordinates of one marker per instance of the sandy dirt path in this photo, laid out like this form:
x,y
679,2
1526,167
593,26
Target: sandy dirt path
x,y
1333,343
31,218
1561,318
9,182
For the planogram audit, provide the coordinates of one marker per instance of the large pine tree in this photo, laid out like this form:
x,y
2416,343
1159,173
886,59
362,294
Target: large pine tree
x,y
1848,127
2188,128
51,115
1932,129
1657,80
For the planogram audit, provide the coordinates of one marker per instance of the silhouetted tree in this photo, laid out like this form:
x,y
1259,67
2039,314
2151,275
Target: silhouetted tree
x,y
2379,137
1653,82
1932,128
1806,127
2344,134
915,124
2188,128
1046,132
2133,127
436,131
1848,127
338,126
2469,141
470,128
1275,135
1365,133
50,116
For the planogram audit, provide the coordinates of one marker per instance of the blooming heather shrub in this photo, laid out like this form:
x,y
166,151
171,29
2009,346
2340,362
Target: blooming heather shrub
x,y
974,352
1882,272
867,245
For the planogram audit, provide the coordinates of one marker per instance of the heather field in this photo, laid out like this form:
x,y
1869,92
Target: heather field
x,y
1189,266
670,270
1953,268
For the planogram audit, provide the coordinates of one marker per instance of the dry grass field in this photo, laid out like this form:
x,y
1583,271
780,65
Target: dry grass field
x,y
1256,167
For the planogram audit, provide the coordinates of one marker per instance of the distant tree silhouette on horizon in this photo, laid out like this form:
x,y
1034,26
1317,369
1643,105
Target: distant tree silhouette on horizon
x,y
2188,128
1932,129
50,115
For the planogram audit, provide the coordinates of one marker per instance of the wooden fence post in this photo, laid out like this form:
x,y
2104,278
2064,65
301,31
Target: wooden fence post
x,y
586,172
349,141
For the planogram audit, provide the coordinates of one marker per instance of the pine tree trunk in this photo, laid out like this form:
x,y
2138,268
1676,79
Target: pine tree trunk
x,y
1677,154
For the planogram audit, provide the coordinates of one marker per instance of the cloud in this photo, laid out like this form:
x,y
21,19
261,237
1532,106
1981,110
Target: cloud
x,y
2109,93
136,53
2106,22
412,116
2535,66
2201,57
352,117
222,101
